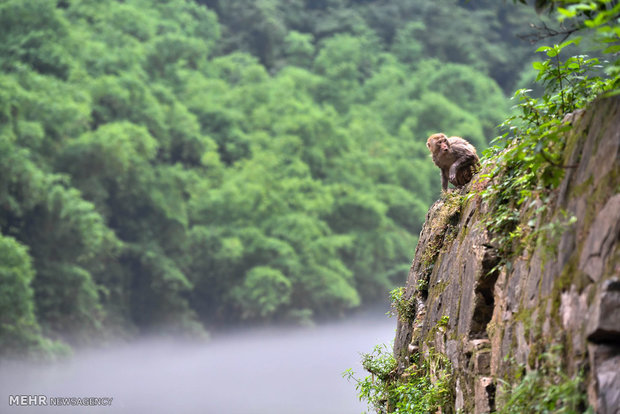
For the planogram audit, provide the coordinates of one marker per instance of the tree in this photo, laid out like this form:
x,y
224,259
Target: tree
x,y
19,331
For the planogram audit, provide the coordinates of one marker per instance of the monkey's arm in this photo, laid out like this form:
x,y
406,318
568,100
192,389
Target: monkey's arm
x,y
463,160
444,178
453,170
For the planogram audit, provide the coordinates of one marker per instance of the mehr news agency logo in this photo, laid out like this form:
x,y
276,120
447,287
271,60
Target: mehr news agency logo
x,y
43,400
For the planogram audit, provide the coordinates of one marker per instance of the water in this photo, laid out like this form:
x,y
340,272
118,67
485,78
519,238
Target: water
x,y
269,371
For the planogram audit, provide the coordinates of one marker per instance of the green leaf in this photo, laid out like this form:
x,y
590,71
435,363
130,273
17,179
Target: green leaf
x,y
543,49
574,41
612,49
566,13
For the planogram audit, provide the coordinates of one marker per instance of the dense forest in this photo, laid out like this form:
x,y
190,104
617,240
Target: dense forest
x,y
177,166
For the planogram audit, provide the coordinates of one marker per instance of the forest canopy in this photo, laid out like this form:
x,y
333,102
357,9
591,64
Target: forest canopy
x,y
181,165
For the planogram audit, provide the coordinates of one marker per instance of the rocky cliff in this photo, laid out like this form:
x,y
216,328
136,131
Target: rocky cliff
x,y
550,315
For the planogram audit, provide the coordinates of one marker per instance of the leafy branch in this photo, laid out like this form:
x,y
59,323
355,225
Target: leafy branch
x,y
526,163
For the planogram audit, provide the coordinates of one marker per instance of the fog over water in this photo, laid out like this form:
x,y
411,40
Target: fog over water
x,y
259,371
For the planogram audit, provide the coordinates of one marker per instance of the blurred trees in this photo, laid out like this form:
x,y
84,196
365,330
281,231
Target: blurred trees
x,y
171,166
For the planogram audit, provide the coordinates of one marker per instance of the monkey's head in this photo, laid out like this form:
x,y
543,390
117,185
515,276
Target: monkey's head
x,y
438,143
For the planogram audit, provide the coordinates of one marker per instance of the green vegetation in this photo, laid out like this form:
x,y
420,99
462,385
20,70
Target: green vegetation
x,y
547,389
424,387
443,321
535,393
520,174
527,163
402,307
178,166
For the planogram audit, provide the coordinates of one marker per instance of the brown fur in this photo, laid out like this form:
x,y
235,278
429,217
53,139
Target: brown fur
x,y
455,157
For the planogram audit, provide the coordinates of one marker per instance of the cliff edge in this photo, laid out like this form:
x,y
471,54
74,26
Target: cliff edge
x,y
551,313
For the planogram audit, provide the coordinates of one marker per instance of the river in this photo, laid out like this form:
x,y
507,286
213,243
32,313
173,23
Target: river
x,y
260,371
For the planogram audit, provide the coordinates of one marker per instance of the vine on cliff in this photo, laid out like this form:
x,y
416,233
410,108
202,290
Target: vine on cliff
x,y
527,162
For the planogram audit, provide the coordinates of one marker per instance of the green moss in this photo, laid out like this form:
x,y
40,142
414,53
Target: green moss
x,y
541,317
450,211
524,315
443,227
449,238
493,330
583,188
610,268
430,254
440,326
546,389
573,139
563,282
537,342
592,292
570,276
513,343
438,288
463,234
595,196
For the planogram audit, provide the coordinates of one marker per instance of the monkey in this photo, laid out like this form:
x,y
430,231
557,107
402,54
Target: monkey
x,y
455,157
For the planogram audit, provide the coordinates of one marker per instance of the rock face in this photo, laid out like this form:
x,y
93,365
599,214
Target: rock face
x,y
563,293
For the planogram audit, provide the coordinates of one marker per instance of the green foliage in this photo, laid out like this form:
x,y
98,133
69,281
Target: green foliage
x,y
534,394
422,284
523,169
35,33
602,17
597,16
20,333
530,162
19,330
407,45
405,309
171,167
424,387
468,88
299,48
428,388
547,389
376,388
264,290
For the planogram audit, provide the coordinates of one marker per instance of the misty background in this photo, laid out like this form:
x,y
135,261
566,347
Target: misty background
x,y
262,370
